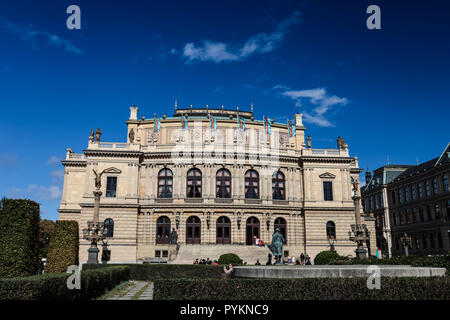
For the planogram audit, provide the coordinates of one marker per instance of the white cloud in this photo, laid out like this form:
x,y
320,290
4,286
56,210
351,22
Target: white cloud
x,y
29,34
36,192
260,43
318,99
53,160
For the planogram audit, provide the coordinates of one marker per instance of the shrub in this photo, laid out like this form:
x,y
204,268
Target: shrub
x,y
19,238
325,257
63,249
230,258
435,288
150,272
53,286
46,228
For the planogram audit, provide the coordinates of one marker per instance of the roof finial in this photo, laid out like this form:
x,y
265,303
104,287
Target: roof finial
x,y
251,107
176,104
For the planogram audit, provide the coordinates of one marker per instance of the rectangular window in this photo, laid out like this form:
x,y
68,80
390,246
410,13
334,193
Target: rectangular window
x,y
157,254
420,189
428,213
421,214
437,212
435,186
406,194
427,188
370,203
445,182
394,217
431,241
111,186
414,215
440,244
381,200
413,192
393,197
327,191
400,196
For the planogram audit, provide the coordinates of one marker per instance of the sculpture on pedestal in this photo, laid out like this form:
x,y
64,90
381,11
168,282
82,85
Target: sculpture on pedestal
x,y
98,134
91,137
277,245
308,141
173,237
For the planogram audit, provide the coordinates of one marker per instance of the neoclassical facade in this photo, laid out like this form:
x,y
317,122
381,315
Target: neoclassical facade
x,y
218,177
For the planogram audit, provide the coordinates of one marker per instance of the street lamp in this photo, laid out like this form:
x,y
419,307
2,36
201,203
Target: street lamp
x,y
406,243
96,230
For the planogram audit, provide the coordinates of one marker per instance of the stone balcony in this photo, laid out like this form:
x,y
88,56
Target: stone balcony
x,y
116,146
325,153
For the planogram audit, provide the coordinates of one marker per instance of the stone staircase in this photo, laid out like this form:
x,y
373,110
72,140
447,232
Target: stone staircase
x,y
188,253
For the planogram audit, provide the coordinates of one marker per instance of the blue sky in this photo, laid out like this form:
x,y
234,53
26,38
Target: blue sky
x,y
385,91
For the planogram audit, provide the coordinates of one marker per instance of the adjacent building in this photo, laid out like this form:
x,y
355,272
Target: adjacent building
x,y
419,202
374,198
219,178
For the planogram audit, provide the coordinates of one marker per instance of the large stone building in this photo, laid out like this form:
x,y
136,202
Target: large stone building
x,y
374,198
220,178
419,206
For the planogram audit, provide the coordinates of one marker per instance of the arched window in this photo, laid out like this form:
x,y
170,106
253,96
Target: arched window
x,y
278,186
223,184
280,223
109,225
251,184
165,183
194,183
162,230
331,230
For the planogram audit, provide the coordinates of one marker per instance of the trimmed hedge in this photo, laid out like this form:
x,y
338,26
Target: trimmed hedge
x,y
151,272
325,257
19,238
436,288
53,286
63,249
229,258
46,228
415,261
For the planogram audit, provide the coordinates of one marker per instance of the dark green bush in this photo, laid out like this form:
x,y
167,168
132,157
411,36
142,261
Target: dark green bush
x,y
150,272
63,249
229,258
19,238
436,288
53,286
325,257
46,228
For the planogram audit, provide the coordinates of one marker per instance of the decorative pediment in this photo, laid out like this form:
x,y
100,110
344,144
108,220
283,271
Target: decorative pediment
x,y
327,175
112,170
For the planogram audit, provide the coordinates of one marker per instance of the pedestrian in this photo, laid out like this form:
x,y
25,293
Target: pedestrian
x,y
257,263
302,258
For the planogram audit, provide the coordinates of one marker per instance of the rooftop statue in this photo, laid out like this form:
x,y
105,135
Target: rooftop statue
x,y
91,137
308,141
131,136
98,134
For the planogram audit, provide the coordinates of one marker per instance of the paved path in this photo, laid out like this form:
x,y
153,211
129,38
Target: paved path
x,y
137,286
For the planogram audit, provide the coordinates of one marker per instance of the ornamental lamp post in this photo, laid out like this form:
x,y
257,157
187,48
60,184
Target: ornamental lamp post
x,y
359,233
96,230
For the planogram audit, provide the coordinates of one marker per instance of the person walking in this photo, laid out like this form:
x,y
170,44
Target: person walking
x,y
302,258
